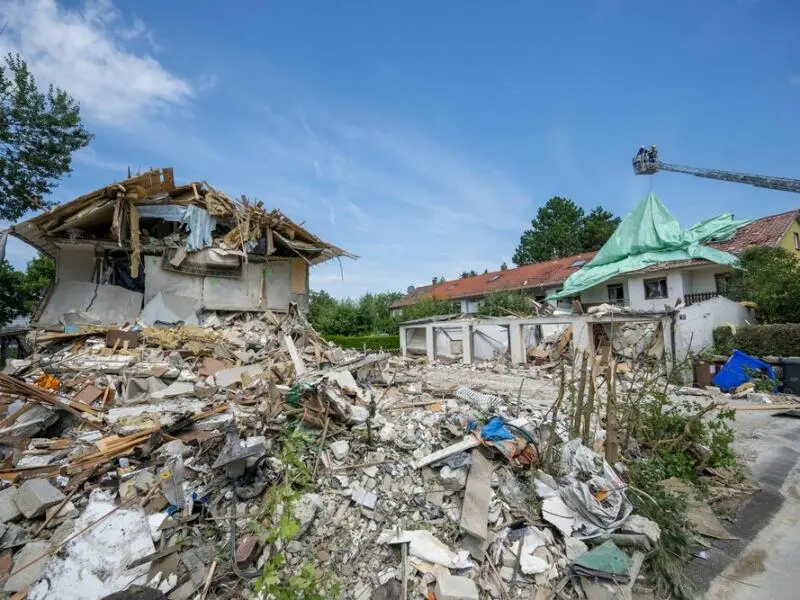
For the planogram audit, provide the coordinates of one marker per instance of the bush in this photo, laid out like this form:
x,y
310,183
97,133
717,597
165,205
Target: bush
x,y
770,277
503,304
760,340
372,342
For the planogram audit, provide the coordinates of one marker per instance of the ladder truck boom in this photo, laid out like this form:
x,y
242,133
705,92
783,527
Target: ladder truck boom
x,y
646,162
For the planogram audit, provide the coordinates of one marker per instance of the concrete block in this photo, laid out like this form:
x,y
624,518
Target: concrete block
x,y
452,587
68,511
35,496
27,577
8,507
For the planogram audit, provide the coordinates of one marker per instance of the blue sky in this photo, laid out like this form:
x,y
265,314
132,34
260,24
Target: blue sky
x,y
422,135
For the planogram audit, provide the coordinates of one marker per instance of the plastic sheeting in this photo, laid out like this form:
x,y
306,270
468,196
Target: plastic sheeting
x,y
648,236
738,370
197,221
599,501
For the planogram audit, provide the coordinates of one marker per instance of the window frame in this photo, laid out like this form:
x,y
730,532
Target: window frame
x,y
619,286
725,279
658,281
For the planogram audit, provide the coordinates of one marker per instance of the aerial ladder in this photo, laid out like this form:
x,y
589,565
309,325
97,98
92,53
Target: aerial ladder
x,y
647,162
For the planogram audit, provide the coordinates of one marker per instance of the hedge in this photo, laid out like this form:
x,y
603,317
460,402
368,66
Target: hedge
x,y
760,340
372,342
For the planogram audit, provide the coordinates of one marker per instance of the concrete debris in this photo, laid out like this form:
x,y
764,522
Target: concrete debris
x,y
451,587
25,572
453,479
212,437
35,496
340,449
8,505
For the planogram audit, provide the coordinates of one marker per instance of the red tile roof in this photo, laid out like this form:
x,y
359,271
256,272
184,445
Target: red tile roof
x,y
551,273
767,231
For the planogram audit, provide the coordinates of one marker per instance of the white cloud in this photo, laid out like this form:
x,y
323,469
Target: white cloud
x,y
88,51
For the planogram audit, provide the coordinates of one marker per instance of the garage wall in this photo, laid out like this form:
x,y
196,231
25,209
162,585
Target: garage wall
x,y
696,323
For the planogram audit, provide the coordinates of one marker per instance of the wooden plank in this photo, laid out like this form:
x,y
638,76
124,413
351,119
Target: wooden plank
x,y
299,365
298,285
468,443
87,395
475,509
612,418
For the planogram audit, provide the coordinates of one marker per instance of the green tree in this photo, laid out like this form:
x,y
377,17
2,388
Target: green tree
x,y
598,226
38,134
561,228
429,307
504,304
554,233
770,277
375,308
20,293
320,309
39,275
11,285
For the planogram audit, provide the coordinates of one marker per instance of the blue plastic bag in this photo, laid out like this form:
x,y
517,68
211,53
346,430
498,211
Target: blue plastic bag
x,y
737,371
495,431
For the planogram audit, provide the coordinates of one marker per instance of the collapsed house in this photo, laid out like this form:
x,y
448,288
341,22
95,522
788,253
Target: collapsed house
x,y
146,245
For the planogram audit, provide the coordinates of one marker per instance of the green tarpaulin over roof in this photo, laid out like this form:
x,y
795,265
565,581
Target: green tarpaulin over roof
x,y
648,236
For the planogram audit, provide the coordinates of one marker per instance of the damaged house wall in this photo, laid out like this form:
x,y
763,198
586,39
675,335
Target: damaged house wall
x,y
695,324
122,246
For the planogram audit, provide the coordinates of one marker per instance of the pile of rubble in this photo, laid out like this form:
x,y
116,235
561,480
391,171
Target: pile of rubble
x,y
186,459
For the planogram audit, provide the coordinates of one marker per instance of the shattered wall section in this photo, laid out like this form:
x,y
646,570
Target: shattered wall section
x,y
101,304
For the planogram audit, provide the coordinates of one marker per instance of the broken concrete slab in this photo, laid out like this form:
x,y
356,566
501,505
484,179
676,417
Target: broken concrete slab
x,y
228,377
35,496
68,511
453,587
113,542
453,479
22,578
175,389
475,509
167,308
9,511
424,545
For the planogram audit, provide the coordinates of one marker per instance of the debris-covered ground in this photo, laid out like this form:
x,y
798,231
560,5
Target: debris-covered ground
x,y
247,457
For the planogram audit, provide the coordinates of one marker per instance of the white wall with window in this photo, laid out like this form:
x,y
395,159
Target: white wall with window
x,y
654,290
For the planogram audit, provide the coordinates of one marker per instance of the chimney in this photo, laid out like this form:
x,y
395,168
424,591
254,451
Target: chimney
x,y
434,281
504,267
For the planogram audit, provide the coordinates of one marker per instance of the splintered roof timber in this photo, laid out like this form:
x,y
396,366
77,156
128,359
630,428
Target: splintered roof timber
x,y
111,217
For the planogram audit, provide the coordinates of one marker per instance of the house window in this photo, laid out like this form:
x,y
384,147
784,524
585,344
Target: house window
x,y
796,240
655,289
616,294
721,281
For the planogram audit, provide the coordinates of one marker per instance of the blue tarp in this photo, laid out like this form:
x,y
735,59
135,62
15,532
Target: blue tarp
x,y
737,371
